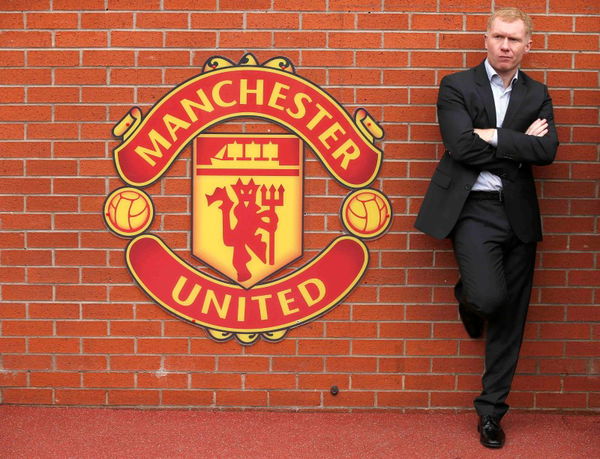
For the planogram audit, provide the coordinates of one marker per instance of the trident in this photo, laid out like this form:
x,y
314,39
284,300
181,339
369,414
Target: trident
x,y
272,198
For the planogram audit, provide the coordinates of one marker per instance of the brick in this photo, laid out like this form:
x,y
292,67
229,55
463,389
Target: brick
x,y
12,345
133,328
11,21
187,398
51,20
52,275
25,39
192,5
350,399
323,381
434,347
129,39
241,39
299,39
271,381
107,379
583,278
79,397
106,20
133,397
408,5
261,21
582,348
384,382
12,58
76,5
88,76
402,399
586,24
581,383
81,328
162,20
54,345
350,330
245,364
108,345
574,7
378,347
161,380
436,59
241,398
135,362
27,362
53,379
297,364
94,58
13,379
294,398
289,5
55,310
26,292
51,240
13,310
580,79
436,22
10,167
568,260
27,396
315,347
189,363
216,381
133,5
572,296
415,40
81,362
191,39
561,400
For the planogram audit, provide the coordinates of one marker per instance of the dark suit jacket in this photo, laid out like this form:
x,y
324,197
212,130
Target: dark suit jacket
x,y
466,102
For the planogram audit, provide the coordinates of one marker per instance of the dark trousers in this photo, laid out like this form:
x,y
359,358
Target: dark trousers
x,y
496,273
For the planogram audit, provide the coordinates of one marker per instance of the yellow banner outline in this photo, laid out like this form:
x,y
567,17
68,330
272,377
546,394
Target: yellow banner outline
x,y
256,288
341,111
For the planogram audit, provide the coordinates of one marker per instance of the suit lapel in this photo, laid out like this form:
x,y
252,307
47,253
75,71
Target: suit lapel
x,y
485,92
517,96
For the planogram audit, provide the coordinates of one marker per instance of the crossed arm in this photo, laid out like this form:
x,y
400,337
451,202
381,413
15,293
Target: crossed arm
x,y
473,146
538,128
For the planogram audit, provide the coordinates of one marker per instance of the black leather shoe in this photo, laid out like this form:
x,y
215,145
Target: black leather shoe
x,y
472,322
491,434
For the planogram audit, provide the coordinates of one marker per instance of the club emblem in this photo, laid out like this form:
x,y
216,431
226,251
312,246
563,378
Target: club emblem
x,y
247,199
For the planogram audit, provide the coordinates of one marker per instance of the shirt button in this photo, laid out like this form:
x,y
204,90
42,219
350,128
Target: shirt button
x,y
467,187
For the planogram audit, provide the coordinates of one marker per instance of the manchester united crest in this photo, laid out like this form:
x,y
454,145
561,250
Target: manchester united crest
x,y
247,195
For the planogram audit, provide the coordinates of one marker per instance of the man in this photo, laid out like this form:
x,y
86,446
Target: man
x,y
496,122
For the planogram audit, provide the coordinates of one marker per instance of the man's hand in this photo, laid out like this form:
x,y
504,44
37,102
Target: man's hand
x,y
538,128
485,134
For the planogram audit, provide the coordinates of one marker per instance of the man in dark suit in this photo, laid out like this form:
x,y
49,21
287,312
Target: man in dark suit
x,y
496,122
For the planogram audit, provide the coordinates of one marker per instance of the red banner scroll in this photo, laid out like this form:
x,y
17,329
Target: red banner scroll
x,y
226,308
151,144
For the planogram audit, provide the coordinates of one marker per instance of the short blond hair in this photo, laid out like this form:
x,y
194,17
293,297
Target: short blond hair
x,y
511,15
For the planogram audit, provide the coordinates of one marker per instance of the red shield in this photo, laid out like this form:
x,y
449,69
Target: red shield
x,y
247,203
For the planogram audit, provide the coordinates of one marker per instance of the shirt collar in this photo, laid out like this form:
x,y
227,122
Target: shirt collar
x,y
491,73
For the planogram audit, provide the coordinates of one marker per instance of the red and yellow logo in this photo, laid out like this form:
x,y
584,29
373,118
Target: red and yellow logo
x,y
247,216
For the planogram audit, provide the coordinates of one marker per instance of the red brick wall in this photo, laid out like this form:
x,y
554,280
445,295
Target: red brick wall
x,y
74,329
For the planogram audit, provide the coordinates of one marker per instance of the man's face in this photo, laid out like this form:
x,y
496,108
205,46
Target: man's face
x,y
506,44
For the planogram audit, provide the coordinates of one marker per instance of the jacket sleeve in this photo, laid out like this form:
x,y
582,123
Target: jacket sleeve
x,y
456,125
522,148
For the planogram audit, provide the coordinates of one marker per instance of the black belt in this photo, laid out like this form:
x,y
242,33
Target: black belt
x,y
487,195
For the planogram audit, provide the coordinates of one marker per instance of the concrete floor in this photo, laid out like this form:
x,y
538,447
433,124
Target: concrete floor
x,y
127,433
